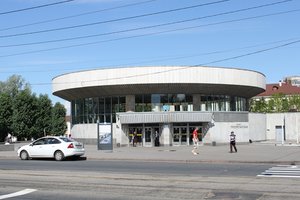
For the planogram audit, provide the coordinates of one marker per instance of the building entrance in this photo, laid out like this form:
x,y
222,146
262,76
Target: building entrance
x,y
146,136
180,136
151,136
135,136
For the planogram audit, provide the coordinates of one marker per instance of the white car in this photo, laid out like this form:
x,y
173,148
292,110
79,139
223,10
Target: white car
x,y
51,147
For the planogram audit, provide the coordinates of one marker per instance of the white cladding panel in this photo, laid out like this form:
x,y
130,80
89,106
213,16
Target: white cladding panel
x,y
159,75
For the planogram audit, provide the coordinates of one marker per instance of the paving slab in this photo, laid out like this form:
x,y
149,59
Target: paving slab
x,y
247,153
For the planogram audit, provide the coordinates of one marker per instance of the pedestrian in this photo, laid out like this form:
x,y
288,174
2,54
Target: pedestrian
x,y
232,142
156,139
134,139
195,141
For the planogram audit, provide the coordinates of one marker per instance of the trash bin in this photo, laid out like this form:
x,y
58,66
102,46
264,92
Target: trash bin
x,y
213,143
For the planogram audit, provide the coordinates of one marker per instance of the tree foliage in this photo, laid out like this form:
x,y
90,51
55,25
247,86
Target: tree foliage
x,y
276,104
6,113
13,85
25,115
59,126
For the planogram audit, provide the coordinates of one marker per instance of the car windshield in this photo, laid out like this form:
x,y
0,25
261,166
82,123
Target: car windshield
x,y
67,139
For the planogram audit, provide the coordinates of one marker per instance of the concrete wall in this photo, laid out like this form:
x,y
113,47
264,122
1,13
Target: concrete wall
x,y
220,132
290,122
257,126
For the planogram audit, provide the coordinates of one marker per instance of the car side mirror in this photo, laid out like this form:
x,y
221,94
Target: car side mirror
x,y
31,145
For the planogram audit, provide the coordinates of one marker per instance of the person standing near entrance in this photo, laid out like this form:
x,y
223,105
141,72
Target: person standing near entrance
x,y
156,141
195,141
134,139
232,142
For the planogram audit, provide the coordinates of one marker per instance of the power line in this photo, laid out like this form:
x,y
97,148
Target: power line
x,y
114,20
149,14
148,27
78,15
165,59
35,7
136,36
186,67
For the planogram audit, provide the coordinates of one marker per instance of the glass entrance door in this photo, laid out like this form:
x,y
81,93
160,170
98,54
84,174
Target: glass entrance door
x,y
183,138
135,136
180,136
148,137
176,136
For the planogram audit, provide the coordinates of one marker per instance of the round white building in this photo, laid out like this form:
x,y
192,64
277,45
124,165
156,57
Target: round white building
x,y
160,104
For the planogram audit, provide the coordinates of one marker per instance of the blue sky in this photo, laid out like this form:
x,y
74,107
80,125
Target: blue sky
x,y
257,35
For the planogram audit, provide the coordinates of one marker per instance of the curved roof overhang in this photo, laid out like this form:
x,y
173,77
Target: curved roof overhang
x,y
159,80
212,89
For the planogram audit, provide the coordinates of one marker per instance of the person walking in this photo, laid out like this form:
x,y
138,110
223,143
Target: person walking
x,y
195,141
232,142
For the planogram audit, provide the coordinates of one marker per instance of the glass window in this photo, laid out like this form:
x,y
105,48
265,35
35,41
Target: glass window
x,y
155,102
139,103
40,142
101,119
108,118
67,139
147,103
107,105
101,105
53,141
122,104
115,104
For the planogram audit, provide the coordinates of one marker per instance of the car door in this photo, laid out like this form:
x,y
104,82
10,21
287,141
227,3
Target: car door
x,y
53,144
36,148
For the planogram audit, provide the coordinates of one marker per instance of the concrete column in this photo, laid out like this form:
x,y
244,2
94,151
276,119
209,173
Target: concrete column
x,y
166,135
197,102
130,103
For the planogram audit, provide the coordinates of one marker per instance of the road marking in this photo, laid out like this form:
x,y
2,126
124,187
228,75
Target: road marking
x,y
15,194
282,171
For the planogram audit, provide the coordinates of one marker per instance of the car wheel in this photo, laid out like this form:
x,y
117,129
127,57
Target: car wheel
x,y
24,155
58,155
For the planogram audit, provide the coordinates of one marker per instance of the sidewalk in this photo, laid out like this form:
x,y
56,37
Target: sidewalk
x,y
247,153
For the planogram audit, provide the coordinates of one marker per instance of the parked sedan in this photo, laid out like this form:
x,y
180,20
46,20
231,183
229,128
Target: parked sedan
x,y
51,147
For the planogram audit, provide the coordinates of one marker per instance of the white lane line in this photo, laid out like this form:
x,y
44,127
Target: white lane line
x,y
278,176
15,194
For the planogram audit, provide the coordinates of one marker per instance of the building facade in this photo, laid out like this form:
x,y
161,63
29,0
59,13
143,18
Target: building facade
x,y
162,102
283,127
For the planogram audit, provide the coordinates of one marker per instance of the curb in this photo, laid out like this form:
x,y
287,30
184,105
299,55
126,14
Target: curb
x,y
180,161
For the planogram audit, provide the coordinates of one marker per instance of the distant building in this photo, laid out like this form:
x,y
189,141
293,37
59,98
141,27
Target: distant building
x,y
293,80
282,127
286,88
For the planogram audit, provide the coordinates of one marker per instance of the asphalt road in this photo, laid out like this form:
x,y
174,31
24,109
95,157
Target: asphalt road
x,y
131,167
48,179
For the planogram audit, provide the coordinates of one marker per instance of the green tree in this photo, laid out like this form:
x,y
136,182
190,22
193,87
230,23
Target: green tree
x,y
24,108
276,103
13,85
294,103
59,126
258,106
6,113
43,112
